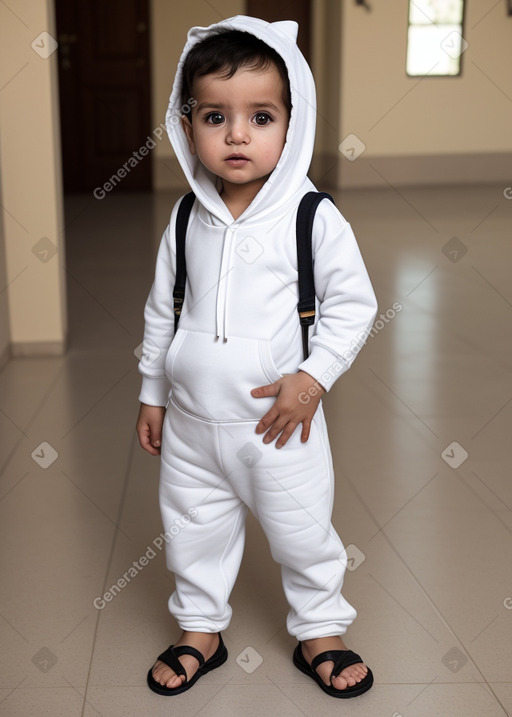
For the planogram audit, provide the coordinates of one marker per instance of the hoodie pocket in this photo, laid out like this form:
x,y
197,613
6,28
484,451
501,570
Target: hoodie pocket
x,y
212,379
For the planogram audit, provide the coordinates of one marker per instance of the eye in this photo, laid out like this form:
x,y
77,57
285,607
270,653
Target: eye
x,y
214,118
262,118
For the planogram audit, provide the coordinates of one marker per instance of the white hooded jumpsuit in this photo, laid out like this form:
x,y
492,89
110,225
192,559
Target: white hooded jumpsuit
x,y
239,329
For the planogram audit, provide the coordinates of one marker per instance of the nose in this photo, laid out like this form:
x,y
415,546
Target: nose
x,y
237,132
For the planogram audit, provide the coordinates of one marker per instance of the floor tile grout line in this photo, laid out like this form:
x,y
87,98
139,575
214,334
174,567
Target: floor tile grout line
x,y
295,681
100,399
13,689
403,402
416,580
479,497
492,286
278,686
73,687
505,505
491,419
403,607
17,482
33,418
484,219
498,700
422,691
484,628
95,504
124,490
44,397
215,695
420,490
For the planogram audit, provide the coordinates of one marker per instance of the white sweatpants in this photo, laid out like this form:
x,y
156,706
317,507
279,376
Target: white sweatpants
x,y
211,474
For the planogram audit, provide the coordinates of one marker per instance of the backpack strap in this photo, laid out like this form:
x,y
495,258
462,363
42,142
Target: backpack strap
x,y
306,305
304,230
181,266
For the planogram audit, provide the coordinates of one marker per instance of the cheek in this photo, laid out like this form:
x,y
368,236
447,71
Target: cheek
x,y
274,146
209,139
205,146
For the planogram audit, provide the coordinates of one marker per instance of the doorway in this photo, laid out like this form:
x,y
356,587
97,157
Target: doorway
x,y
104,92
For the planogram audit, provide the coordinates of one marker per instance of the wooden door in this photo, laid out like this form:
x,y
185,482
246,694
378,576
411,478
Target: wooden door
x,y
104,89
275,10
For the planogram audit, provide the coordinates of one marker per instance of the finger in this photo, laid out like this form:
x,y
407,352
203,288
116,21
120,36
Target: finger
x,y
145,442
156,441
149,448
270,389
267,420
306,428
156,437
275,430
142,434
285,435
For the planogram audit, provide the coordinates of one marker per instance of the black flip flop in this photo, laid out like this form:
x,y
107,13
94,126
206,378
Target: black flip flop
x,y
170,658
341,659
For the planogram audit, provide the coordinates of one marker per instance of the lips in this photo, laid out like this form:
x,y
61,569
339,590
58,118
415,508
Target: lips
x,y
237,160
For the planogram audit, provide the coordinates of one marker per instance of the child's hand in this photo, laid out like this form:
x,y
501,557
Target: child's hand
x,y
149,427
298,396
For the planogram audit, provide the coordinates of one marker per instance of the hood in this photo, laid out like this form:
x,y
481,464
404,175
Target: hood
x,y
291,170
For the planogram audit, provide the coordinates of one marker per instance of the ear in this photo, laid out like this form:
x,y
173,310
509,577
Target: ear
x,y
189,133
290,28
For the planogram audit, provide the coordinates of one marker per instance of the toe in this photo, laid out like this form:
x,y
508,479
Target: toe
x,y
339,682
350,676
165,676
174,681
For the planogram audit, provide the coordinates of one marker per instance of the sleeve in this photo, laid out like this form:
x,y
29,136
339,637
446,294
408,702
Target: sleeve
x,y
159,322
346,302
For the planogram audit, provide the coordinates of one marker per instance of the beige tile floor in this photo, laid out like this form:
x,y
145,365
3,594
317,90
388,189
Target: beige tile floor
x,y
431,540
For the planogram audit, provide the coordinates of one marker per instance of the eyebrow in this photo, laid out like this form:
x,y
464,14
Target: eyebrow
x,y
220,106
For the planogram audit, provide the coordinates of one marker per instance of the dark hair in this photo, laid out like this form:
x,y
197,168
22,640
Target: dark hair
x,y
225,52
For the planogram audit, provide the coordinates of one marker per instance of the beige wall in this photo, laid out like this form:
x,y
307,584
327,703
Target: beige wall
x,y
5,332
434,129
31,182
439,115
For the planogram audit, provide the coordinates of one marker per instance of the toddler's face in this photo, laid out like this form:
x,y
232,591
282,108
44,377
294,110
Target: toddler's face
x,y
239,125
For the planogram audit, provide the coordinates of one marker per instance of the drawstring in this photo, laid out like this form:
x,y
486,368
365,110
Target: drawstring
x,y
222,289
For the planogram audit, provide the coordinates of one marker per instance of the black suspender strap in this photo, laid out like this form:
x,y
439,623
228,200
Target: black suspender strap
x,y
181,266
306,305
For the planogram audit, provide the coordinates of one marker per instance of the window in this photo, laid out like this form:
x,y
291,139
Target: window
x,y
435,42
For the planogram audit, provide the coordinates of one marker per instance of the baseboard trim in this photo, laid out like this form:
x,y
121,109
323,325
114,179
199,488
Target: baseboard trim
x,y
5,356
25,349
426,170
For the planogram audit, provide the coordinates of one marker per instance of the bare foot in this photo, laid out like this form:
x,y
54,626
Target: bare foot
x,y
206,642
348,677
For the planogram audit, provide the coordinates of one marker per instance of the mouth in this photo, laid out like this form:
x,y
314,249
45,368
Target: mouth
x,y
237,160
